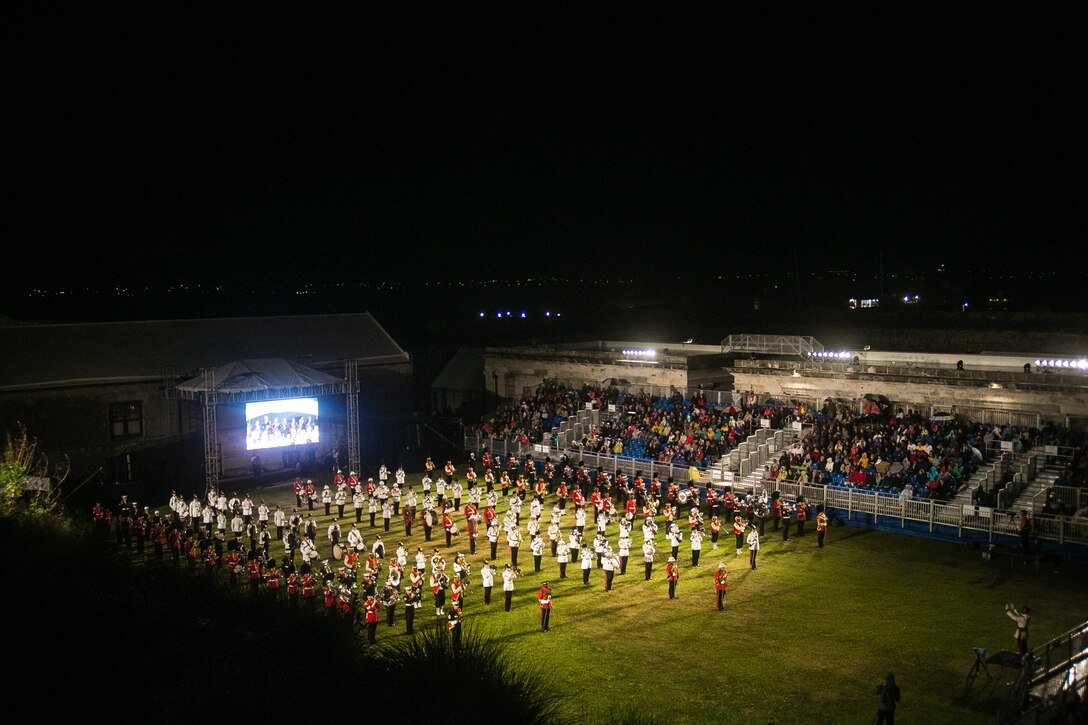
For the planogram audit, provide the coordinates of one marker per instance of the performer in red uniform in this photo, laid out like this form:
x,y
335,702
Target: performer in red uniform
x,y
272,580
253,569
821,525
371,609
309,587
544,599
721,583
672,574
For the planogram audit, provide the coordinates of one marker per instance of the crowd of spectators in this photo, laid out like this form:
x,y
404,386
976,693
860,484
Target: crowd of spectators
x,y
901,453
904,453
674,429
533,416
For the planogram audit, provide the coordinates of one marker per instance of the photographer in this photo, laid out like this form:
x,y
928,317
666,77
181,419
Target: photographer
x,y
889,698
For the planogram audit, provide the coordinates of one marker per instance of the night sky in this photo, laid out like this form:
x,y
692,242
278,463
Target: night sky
x,y
168,144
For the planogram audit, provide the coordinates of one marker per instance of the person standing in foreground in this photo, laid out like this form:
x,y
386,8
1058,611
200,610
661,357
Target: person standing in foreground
x,y
889,698
453,623
1022,619
821,525
721,584
753,547
672,574
544,599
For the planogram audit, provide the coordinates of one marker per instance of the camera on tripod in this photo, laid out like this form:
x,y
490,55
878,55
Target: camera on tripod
x,y
980,653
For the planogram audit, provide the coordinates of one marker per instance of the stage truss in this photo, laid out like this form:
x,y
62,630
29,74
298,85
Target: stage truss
x,y
210,399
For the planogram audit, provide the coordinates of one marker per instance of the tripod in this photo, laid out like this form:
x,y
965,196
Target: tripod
x,y
979,666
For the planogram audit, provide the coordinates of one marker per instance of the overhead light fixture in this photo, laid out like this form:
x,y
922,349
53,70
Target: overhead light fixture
x,y
1064,363
640,353
830,355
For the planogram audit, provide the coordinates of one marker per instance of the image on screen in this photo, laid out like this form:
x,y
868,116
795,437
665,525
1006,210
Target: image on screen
x,y
278,423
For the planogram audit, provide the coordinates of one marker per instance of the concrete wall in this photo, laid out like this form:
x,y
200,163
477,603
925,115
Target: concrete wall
x,y
517,374
1052,404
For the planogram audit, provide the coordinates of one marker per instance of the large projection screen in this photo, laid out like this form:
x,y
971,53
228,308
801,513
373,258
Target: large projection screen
x,y
280,423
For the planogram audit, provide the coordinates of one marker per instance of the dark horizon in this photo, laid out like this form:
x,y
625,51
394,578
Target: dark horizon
x,y
158,147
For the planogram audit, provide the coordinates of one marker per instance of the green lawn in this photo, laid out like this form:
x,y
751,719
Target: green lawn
x,y
805,638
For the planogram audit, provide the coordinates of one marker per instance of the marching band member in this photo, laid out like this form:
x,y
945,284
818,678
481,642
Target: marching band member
x,y
599,545
372,509
449,527
387,513
388,599
753,547
272,580
672,575
587,564
624,550
412,602
439,583
309,587
453,624
609,563
371,608
738,532
821,525
355,539
457,591
696,538
787,512
554,534
649,529
341,498
279,520
721,583
394,496
648,551
357,501
544,601
513,539
326,499
537,547
487,580
509,574
421,559
562,556
675,537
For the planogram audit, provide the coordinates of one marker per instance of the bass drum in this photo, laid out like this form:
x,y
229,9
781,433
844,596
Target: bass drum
x,y
337,552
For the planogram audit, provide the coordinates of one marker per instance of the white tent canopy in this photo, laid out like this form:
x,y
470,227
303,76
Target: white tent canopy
x,y
247,376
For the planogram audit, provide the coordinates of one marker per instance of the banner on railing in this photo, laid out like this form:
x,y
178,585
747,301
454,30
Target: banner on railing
x,y
1050,450
589,406
981,511
541,448
611,407
727,476
796,425
764,422
1006,445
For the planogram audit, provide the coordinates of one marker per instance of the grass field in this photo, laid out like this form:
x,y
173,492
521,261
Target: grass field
x,y
804,638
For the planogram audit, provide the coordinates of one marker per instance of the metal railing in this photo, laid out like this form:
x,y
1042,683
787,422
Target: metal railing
x,y
991,521
1049,670
609,462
